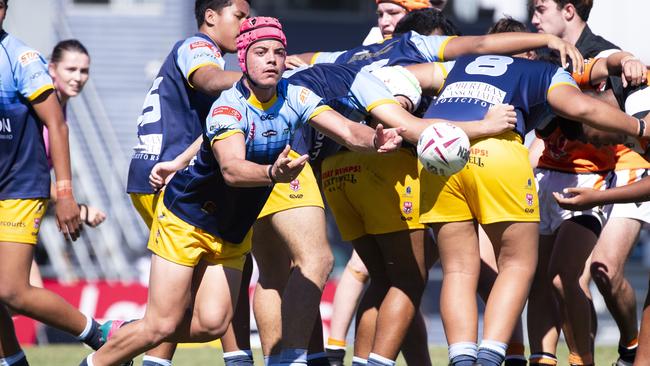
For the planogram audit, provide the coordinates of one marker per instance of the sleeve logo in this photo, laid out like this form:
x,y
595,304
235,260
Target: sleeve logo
x,y
227,111
205,44
304,94
28,57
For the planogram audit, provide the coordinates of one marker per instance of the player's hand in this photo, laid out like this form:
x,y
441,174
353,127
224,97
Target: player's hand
x,y
294,62
500,118
633,71
94,216
67,217
286,169
387,140
577,198
162,173
567,51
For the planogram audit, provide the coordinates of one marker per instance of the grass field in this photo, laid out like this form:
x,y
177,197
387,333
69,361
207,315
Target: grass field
x,y
72,355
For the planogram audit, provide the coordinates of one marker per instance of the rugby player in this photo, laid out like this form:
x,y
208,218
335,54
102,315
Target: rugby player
x,y
202,225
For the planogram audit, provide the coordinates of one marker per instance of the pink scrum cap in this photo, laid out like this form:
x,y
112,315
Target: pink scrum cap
x,y
257,29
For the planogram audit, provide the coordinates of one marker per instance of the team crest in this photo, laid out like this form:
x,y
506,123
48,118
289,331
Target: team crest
x,y
294,185
408,207
37,223
529,199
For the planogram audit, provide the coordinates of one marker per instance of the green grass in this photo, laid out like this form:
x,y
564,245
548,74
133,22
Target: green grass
x,y
72,355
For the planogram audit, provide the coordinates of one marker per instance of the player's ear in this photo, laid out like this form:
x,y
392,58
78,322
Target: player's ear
x,y
569,12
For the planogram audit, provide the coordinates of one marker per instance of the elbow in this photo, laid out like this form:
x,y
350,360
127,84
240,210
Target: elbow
x,y
230,177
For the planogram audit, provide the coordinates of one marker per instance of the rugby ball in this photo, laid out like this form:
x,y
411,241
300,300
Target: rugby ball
x,y
443,149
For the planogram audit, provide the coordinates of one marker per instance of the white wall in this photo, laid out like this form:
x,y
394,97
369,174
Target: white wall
x,y
31,22
623,22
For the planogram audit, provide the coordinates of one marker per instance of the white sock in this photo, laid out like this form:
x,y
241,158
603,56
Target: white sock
x,y
89,325
8,361
157,361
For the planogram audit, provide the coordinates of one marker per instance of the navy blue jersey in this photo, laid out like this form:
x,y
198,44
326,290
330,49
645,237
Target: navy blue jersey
x,y
199,195
350,92
476,83
173,112
404,49
24,172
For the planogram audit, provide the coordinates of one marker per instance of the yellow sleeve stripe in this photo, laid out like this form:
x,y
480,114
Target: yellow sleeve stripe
x,y
444,73
39,92
377,103
313,58
559,84
225,135
192,70
441,50
319,110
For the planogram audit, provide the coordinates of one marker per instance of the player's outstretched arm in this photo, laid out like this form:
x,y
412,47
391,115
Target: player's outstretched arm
x,y
579,199
212,80
569,102
356,136
512,43
622,63
48,109
431,76
230,153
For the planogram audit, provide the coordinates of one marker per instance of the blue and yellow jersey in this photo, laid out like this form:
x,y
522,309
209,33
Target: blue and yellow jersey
x,y
173,112
199,195
24,172
477,82
405,49
348,91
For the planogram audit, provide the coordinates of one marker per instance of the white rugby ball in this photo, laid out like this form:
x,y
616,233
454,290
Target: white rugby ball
x,y
443,149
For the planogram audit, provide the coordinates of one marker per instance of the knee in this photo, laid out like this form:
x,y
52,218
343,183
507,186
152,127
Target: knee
x,y
210,325
13,295
318,265
157,330
605,275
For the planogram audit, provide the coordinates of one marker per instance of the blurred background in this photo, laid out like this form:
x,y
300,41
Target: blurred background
x,y
105,271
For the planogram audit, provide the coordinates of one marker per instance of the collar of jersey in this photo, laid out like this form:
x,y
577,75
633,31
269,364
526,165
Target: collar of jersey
x,y
252,100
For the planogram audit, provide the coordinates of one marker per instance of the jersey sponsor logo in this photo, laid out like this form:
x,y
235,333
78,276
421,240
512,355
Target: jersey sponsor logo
x,y
28,57
205,44
270,133
296,196
36,75
227,111
367,55
267,117
335,179
473,92
304,94
5,129
14,224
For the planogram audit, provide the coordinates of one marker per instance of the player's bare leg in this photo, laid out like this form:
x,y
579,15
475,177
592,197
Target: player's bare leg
x,y
607,269
302,230
236,341
568,268
515,353
544,320
348,293
406,274
643,353
460,259
166,318
515,246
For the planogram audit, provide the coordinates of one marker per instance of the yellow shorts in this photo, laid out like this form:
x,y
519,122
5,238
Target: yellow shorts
x,y
182,243
20,219
372,193
301,192
497,185
145,204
